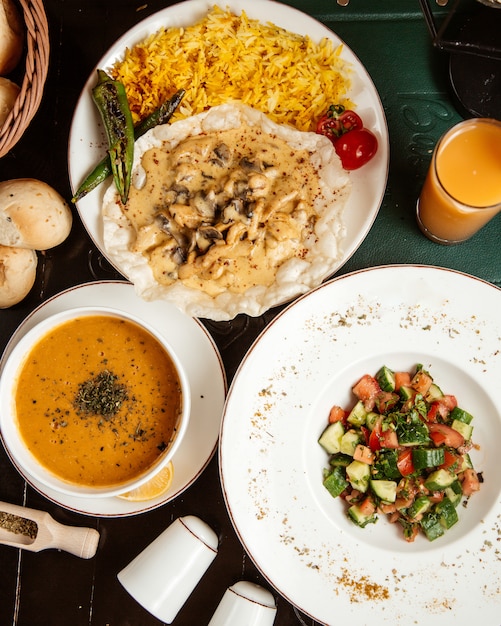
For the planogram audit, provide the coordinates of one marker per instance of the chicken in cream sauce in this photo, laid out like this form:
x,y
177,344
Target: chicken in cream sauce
x,y
224,210
228,213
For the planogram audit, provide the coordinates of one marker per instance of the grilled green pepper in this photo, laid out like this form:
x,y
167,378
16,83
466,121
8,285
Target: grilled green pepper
x,y
111,100
103,169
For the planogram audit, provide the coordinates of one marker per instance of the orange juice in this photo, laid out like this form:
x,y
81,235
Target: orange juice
x,y
462,190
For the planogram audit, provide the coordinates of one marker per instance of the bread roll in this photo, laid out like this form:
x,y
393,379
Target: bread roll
x,y
8,95
11,36
18,268
32,215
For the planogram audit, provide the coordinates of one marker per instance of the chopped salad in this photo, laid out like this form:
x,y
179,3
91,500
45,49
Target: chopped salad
x,y
402,451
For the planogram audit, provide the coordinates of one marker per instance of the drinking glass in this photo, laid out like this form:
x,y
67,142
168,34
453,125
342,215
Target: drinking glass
x,y
462,190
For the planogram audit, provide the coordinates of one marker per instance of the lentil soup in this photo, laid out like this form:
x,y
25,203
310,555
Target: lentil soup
x,y
98,400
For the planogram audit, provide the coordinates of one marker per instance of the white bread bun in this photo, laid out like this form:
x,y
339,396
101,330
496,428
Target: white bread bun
x,y
8,96
11,36
18,268
32,215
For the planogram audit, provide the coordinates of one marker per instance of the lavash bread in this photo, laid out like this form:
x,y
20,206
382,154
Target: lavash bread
x,y
17,274
32,215
11,36
9,91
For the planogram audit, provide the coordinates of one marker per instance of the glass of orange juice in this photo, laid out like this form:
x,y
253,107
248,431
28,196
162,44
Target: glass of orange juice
x,y
462,190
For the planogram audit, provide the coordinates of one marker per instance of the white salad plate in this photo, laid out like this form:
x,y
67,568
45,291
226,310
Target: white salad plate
x,y
271,464
87,144
199,357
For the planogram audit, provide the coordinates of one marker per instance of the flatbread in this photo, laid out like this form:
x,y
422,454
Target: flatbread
x,y
294,277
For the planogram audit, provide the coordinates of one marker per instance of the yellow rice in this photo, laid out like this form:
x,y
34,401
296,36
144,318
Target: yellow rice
x,y
225,58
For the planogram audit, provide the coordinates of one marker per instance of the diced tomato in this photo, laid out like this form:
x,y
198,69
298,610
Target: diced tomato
x,y
421,382
470,482
385,401
433,412
449,401
404,462
337,414
363,454
380,438
443,435
451,459
388,439
366,390
374,443
436,496
367,506
441,408
402,379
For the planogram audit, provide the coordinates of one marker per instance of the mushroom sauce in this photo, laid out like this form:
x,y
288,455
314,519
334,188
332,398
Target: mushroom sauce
x,y
229,213
223,210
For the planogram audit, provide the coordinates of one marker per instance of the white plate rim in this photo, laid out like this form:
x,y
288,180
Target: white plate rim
x,y
262,536
208,395
86,139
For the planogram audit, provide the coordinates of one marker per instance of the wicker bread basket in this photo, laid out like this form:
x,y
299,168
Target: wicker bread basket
x,y
35,73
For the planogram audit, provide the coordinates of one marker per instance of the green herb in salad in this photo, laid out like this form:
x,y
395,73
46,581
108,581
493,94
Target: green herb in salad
x,y
402,451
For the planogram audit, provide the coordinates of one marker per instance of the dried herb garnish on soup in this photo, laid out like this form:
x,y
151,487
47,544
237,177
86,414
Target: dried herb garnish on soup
x,y
102,395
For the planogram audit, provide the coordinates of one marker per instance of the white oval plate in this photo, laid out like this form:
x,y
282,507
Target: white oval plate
x,y
271,465
86,142
206,375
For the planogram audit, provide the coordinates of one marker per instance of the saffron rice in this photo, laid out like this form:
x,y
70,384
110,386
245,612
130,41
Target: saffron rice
x,y
225,58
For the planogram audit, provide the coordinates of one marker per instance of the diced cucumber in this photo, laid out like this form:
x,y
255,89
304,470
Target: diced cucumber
x,y
357,414
439,479
463,428
340,460
386,490
434,393
335,482
360,519
358,474
431,526
461,415
386,379
421,505
466,464
412,433
330,439
427,457
447,513
371,419
454,492
406,393
349,441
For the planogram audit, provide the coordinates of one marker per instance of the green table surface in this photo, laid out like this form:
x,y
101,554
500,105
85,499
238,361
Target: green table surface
x,y
391,39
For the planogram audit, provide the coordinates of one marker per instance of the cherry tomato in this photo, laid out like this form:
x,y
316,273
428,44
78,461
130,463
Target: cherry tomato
x,y
338,121
356,148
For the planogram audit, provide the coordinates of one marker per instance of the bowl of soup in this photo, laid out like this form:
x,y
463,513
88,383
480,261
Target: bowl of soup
x,y
93,402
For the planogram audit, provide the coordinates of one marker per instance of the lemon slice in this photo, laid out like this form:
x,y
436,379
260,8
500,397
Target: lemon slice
x,y
153,488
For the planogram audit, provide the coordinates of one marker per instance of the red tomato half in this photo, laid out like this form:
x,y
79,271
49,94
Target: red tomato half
x,y
338,121
356,148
